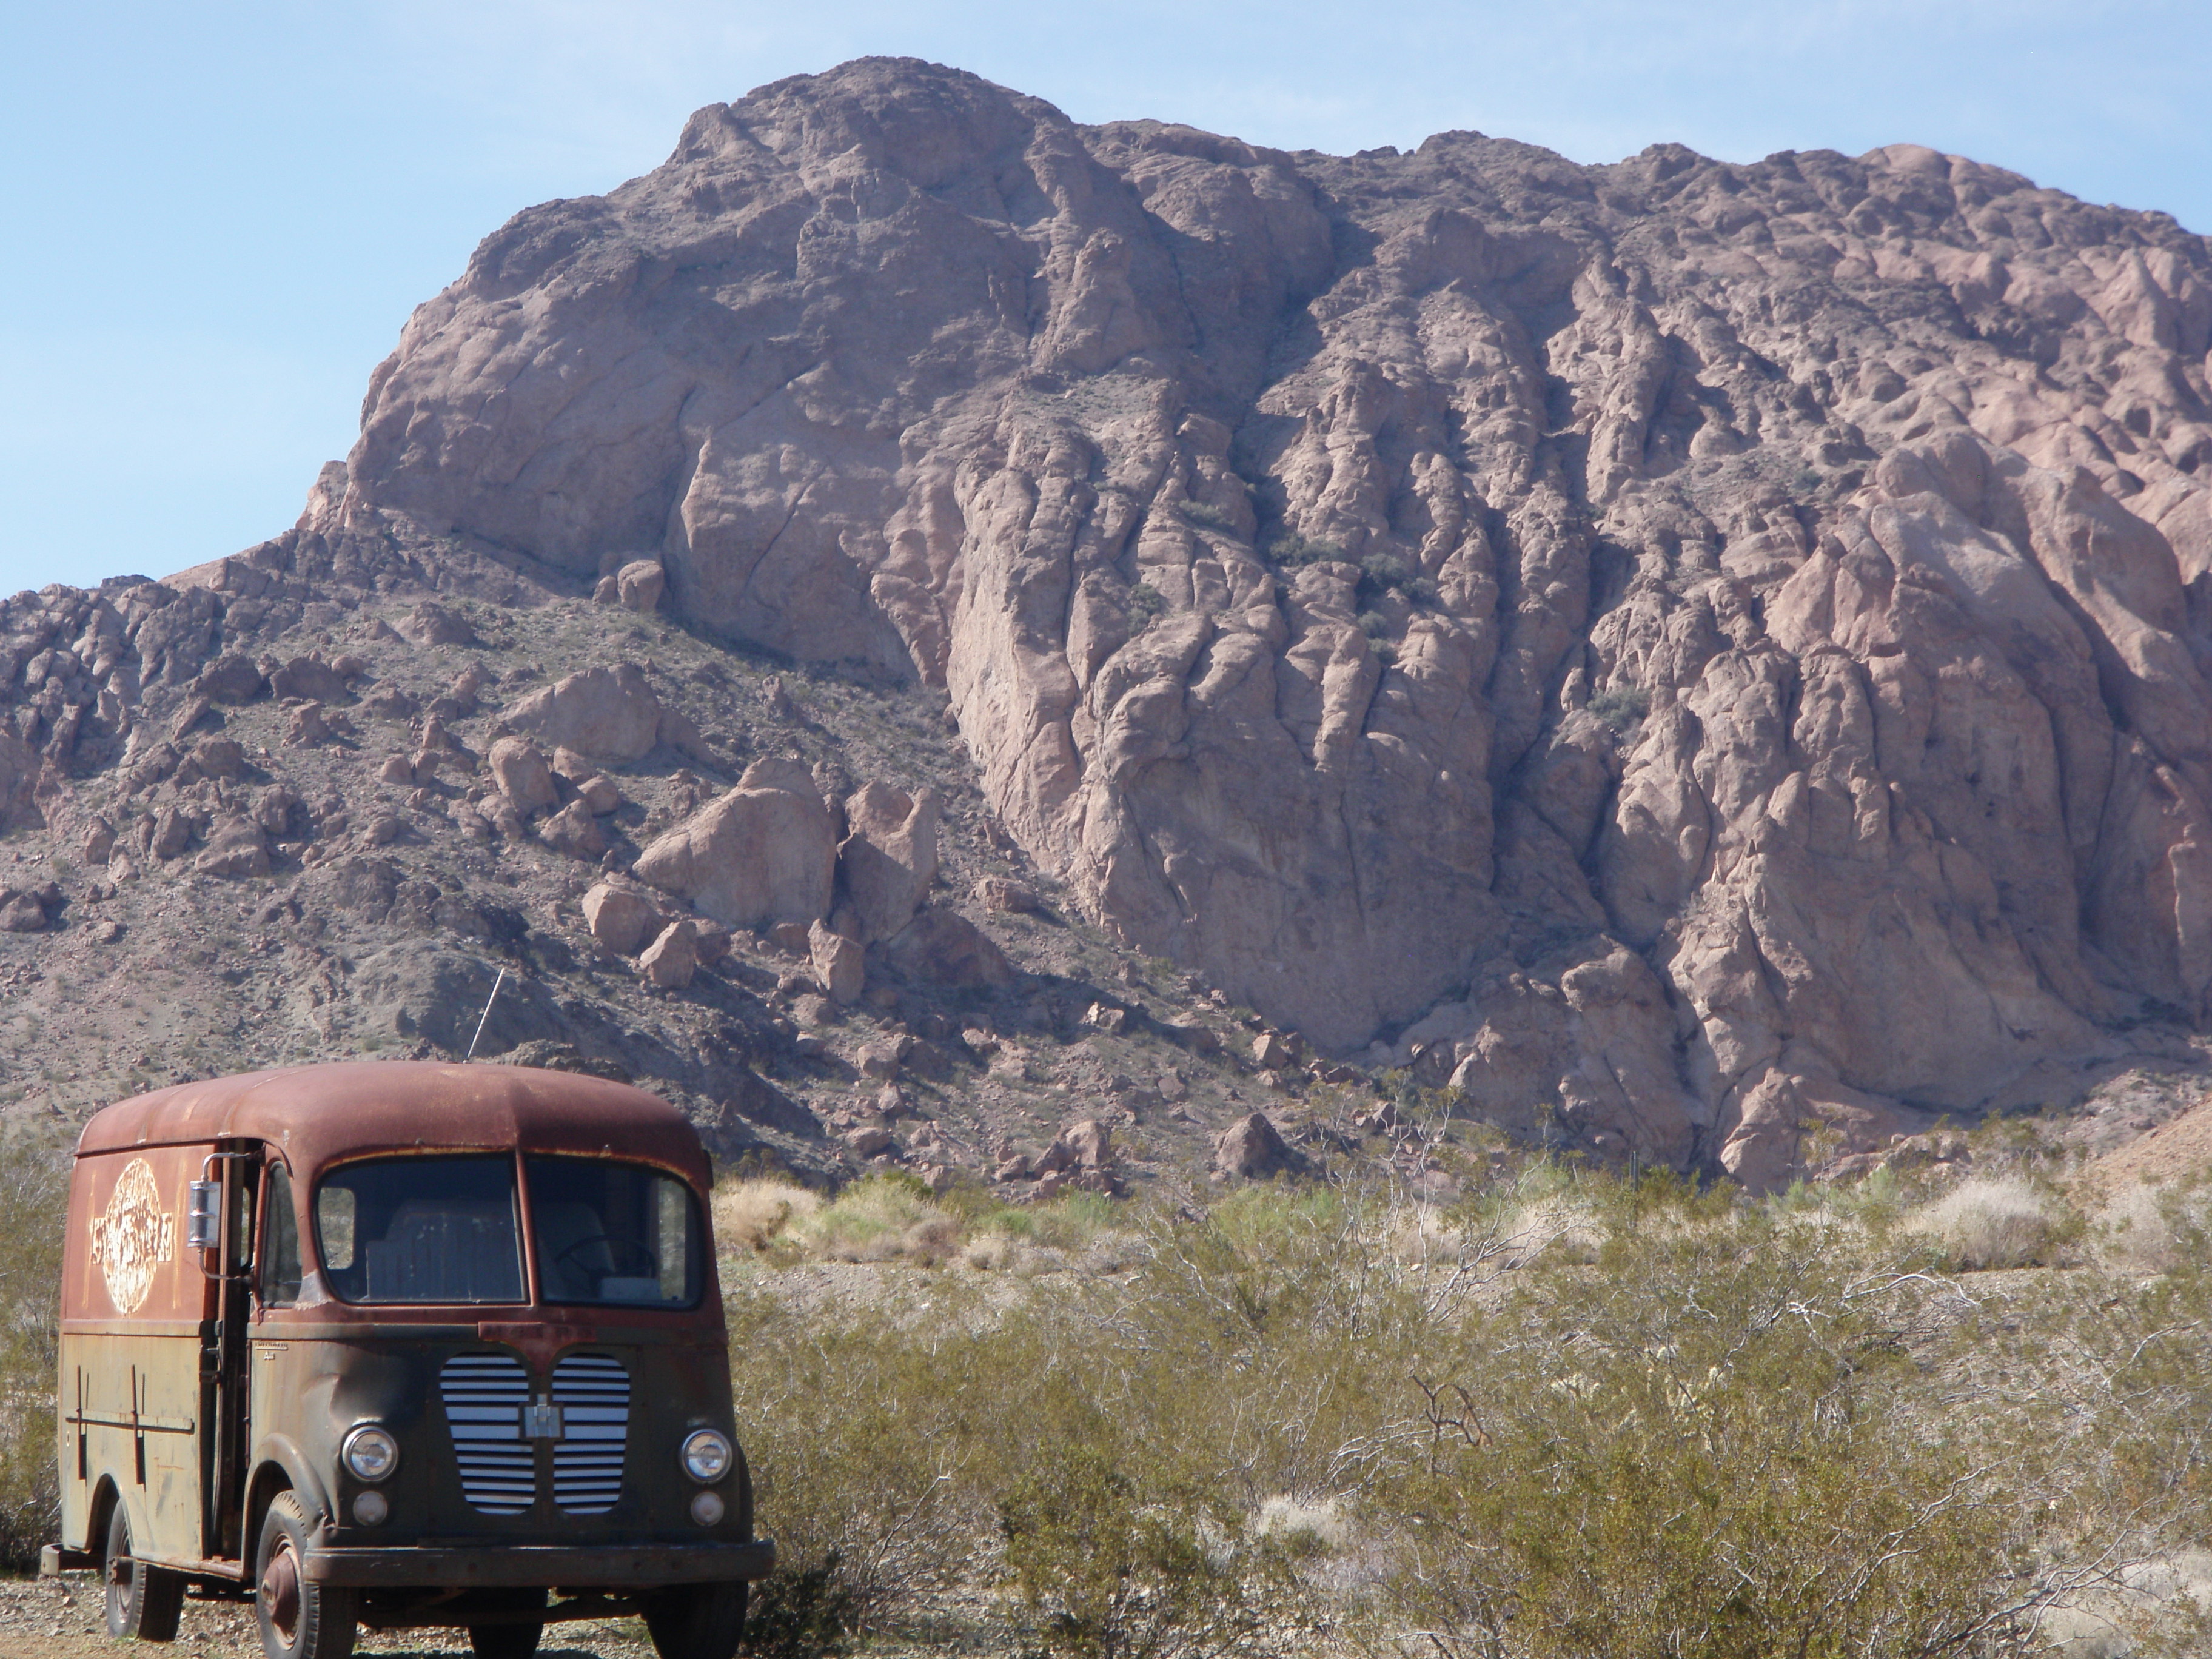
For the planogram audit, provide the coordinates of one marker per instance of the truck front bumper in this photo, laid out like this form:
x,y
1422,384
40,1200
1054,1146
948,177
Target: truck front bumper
x,y
510,1567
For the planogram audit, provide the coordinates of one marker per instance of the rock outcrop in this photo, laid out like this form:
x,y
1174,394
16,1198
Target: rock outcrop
x,y
1717,625
1683,651
889,856
765,853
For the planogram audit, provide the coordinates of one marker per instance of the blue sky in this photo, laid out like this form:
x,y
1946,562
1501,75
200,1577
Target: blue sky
x,y
220,214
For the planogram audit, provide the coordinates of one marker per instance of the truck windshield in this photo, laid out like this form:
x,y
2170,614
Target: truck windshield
x,y
401,1229
614,1233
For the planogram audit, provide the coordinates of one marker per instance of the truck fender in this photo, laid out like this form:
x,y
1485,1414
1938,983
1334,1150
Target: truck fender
x,y
278,1464
106,1493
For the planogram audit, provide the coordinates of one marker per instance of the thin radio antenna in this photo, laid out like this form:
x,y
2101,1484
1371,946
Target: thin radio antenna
x,y
486,1015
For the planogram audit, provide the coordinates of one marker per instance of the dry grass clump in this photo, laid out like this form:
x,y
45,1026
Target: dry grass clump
x,y
879,1218
2145,1228
751,1214
1986,1223
891,1217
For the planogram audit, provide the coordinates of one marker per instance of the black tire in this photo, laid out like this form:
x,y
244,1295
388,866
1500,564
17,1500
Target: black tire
x,y
299,1620
696,1621
142,1601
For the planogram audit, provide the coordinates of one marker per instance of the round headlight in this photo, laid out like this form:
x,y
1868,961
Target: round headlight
x,y
370,1452
707,1454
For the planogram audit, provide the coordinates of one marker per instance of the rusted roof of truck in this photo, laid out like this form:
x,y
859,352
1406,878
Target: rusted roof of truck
x,y
318,1114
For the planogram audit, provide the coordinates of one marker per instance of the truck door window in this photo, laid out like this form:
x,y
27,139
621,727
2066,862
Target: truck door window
x,y
413,1230
615,1233
280,1250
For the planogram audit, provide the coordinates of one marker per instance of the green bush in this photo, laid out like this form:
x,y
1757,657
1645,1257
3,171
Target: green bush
x,y
1207,516
1620,706
1291,550
1112,1570
33,1196
1145,607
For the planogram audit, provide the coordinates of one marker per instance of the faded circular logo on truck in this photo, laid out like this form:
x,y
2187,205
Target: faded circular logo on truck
x,y
133,1237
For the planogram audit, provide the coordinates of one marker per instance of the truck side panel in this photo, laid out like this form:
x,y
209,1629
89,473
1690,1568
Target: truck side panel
x,y
137,1313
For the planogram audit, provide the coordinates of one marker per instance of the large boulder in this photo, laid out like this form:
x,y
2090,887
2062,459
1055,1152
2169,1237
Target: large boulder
x,y
839,963
608,713
517,767
943,948
764,853
235,847
1253,1149
574,831
620,917
671,960
21,912
889,857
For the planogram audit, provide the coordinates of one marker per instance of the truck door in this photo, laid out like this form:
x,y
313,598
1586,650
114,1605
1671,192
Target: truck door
x,y
240,1167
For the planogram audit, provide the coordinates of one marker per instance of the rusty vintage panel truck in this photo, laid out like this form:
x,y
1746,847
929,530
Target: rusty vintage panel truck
x,y
401,1345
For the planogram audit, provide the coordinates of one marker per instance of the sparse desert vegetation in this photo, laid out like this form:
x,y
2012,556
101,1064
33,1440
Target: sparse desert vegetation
x,y
1570,1412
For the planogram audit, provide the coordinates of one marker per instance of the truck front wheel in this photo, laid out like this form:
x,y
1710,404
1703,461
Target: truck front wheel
x,y
142,1601
696,1621
298,1619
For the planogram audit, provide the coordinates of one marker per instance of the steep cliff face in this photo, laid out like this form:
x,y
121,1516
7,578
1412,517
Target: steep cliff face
x,y
1716,646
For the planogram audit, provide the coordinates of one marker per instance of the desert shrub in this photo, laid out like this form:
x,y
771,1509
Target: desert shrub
x,y
877,1218
33,1196
1706,1425
861,1435
1983,1223
1112,1570
2153,1228
1620,706
1206,515
750,1214
1292,549
1695,1452
1386,573
1145,607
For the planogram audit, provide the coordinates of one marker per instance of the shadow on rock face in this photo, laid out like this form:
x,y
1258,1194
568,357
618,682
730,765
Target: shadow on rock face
x,y
438,997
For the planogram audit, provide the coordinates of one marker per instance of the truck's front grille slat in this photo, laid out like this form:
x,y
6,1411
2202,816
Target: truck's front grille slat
x,y
484,1394
592,1391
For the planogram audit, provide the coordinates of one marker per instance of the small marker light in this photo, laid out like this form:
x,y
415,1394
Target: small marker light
x,y
371,1508
706,1508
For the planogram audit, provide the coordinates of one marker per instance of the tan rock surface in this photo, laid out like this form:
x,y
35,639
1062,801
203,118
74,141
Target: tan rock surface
x,y
671,960
608,713
889,856
619,917
764,853
519,767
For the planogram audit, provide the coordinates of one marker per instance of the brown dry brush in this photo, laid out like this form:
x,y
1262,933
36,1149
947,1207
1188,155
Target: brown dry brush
x,y
1736,1430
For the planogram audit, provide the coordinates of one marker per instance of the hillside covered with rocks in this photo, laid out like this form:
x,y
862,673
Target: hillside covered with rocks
x,y
899,625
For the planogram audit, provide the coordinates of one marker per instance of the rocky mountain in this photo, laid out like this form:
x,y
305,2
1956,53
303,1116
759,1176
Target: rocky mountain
x,y
1708,659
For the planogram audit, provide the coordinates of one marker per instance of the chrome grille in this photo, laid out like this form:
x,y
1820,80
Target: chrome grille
x,y
484,1394
592,1391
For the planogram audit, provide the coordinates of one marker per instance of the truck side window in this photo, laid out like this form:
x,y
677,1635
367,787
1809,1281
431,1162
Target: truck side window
x,y
279,1251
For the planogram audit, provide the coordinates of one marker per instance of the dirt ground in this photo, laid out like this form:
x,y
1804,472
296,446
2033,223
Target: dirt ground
x,y
51,1618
